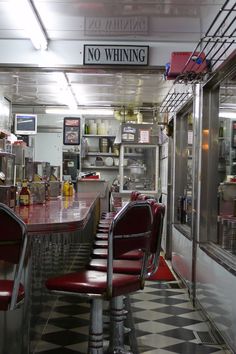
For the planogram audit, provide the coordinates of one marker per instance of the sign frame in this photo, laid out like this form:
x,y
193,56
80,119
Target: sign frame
x,y
102,51
71,131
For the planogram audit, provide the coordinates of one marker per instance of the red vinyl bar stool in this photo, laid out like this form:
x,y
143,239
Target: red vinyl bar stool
x,y
130,230
101,238
13,244
132,265
111,214
129,266
134,195
106,219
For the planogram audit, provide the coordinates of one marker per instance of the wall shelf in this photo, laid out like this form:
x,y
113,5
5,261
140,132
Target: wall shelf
x,y
100,167
101,154
98,136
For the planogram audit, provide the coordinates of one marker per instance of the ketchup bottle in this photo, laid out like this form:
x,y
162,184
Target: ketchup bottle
x,y
24,197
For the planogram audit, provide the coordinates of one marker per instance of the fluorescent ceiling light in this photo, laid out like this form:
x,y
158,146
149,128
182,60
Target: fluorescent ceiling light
x,y
66,95
231,115
228,105
85,111
28,17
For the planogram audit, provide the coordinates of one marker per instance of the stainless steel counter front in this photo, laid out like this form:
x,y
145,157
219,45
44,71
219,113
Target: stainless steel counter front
x,y
58,232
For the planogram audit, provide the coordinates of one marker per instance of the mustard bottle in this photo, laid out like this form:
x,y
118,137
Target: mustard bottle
x,y
66,188
71,188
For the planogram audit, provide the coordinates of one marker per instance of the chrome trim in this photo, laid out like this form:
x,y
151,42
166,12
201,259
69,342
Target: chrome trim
x,y
147,233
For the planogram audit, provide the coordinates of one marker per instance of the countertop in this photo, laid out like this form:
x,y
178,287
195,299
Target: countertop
x,y
62,214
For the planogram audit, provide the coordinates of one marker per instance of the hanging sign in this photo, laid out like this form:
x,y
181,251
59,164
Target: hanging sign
x,y
113,25
115,55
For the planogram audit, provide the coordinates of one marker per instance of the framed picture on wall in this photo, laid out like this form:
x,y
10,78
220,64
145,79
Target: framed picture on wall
x,y
71,131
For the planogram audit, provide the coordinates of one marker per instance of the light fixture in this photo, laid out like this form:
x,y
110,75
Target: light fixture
x,y
65,92
225,114
82,111
30,21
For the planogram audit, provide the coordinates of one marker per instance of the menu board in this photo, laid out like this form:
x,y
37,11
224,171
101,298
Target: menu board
x,y
71,131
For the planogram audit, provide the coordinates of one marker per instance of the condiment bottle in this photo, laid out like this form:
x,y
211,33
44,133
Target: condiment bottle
x,y
221,130
66,188
24,197
71,188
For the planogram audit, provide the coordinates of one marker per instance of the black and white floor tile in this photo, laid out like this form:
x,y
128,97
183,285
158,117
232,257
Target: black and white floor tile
x,y
165,323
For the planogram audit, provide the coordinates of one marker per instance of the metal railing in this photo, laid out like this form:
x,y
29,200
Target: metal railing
x,y
217,43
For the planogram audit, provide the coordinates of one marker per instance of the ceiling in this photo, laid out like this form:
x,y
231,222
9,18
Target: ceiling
x,y
160,21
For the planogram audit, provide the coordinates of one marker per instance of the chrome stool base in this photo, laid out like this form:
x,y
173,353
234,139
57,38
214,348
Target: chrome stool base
x,y
95,345
118,316
119,351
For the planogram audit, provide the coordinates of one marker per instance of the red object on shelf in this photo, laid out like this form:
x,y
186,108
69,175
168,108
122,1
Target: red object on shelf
x,y
91,177
196,64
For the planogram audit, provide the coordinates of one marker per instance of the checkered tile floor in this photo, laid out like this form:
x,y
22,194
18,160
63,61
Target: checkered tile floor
x,y
165,323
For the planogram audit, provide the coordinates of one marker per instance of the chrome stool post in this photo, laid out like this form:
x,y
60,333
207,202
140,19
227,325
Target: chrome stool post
x,y
118,316
95,345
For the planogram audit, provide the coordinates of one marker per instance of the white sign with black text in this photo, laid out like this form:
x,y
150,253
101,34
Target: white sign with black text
x,y
115,55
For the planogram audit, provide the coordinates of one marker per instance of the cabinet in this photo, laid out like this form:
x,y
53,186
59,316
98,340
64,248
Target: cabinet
x,y
139,168
100,153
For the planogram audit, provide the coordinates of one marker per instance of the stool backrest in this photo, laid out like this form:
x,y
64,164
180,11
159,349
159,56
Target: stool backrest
x,y
142,197
130,230
13,242
134,195
158,211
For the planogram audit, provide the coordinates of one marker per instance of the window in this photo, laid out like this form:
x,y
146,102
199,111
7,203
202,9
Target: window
x,y
226,170
218,165
183,169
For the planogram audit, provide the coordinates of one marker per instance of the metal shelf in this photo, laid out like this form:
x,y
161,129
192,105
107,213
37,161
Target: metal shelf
x,y
101,154
215,43
133,154
92,167
98,136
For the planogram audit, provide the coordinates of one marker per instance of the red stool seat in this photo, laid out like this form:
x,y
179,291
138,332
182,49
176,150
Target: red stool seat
x,y
107,215
101,243
119,266
101,236
132,255
94,282
6,288
105,222
13,247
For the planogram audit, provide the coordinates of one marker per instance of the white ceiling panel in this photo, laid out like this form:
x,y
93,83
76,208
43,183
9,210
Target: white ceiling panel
x,y
131,21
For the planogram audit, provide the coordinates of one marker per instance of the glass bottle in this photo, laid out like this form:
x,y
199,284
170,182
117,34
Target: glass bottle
x,y
24,197
221,130
71,188
66,188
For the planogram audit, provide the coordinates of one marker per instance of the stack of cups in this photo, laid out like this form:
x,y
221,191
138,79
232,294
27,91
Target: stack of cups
x,y
92,127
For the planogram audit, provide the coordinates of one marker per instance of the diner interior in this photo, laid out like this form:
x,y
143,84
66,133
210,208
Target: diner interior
x,y
117,181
